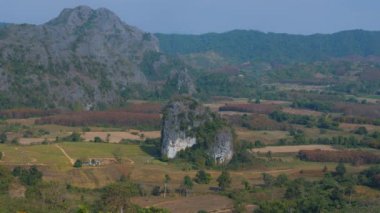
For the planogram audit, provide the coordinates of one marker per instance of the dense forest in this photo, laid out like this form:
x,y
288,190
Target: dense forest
x,y
249,45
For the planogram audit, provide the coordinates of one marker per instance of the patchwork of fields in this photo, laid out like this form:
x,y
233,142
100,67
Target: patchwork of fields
x,y
123,152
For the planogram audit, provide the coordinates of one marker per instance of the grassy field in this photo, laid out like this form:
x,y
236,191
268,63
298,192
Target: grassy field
x,y
292,149
267,137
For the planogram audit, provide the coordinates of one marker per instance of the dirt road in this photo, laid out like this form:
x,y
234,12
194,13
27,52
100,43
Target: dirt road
x,y
72,161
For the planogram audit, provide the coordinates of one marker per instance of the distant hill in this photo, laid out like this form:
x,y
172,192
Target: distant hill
x,y
248,45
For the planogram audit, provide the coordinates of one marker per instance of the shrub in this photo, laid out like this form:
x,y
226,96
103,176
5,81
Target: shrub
x,y
156,191
78,163
29,176
3,137
224,180
361,131
371,177
202,177
97,139
74,137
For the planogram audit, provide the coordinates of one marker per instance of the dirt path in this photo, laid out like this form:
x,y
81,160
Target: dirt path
x,y
72,161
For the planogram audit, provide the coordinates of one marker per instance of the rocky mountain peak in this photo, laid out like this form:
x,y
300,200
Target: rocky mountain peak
x,y
92,55
85,16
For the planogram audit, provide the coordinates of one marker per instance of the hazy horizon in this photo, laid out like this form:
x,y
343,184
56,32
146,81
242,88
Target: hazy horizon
x,y
208,16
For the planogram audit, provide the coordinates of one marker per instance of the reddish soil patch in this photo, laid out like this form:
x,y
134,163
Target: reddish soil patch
x,y
360,110
253,108
113,118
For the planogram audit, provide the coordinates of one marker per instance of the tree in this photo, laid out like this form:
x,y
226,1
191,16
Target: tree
x,y
340,169
166,182
156,191
293,191
187,184
268,180
97,139
3,137
52,194
202,177
5,179
361,131
281,180
74,137
257,100
83,209
224,180
117,196
246,185
325,169
269,154
29,177
350,187
78,163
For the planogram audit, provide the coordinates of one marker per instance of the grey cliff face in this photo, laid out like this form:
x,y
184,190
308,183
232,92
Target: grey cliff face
x,y
182,119
222,149
83,55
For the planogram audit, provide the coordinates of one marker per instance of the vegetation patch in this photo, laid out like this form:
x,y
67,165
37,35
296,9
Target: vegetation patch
x,y
346,156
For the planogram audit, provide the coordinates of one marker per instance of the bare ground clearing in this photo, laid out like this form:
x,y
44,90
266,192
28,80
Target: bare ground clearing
x,y
116,137
30,141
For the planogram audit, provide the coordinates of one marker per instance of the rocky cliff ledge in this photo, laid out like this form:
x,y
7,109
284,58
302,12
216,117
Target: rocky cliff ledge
x,y
186,123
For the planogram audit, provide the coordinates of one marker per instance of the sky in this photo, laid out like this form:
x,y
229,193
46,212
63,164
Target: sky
x,y
203,16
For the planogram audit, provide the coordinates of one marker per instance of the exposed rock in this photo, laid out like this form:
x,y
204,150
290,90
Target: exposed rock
x,y
183,120
222,148
181,117
82,57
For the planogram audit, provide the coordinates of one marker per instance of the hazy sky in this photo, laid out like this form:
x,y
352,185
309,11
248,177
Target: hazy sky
x,y
201,16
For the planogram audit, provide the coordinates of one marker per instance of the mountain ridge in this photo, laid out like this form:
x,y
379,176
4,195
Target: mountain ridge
x,y
252,45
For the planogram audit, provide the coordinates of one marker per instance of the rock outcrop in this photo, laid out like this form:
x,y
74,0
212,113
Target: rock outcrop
x,y
186,124
221,150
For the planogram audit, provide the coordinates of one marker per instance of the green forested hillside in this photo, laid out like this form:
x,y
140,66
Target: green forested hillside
x,y
244,45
